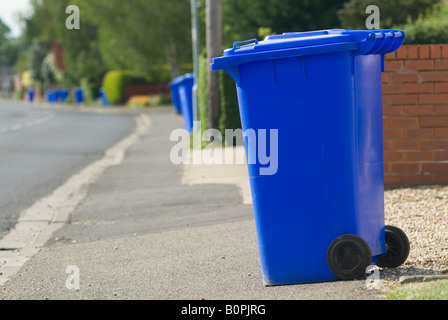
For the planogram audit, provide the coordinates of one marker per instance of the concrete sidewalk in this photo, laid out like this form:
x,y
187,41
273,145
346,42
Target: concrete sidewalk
x,y
151,230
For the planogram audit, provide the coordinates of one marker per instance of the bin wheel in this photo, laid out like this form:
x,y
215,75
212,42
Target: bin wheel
x,y
397,248
348,256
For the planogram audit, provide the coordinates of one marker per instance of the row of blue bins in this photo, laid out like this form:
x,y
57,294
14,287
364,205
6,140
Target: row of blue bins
x,y
182,97
53,96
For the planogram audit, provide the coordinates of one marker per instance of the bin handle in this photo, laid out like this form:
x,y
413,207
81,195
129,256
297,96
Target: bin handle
x,y
235,44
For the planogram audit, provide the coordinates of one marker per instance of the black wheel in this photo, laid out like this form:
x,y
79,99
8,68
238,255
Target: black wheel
x,y
348,256
397,248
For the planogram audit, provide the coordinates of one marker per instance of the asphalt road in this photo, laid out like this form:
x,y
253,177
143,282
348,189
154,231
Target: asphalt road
x,y
41,148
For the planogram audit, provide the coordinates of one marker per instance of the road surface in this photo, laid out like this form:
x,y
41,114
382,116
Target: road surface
x,y
41,148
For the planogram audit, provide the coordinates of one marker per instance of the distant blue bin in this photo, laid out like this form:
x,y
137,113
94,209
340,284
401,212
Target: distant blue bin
x,y
320,215
104,100
78,94
51,96
30,93
63,94
182,92
175,96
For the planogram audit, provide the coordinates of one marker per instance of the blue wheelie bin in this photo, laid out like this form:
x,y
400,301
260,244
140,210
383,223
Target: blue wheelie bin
x,y
63,95
103,96
182,92
175,96
320,215
51,96
79,95
30,93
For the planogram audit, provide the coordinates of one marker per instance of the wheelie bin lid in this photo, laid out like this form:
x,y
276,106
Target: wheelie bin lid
x,y
181,79
309,43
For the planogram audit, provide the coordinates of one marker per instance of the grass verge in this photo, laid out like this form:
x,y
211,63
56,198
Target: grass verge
x,y
432,290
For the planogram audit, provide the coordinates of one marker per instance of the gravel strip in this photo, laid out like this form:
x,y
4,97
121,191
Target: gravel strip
x,y
422,213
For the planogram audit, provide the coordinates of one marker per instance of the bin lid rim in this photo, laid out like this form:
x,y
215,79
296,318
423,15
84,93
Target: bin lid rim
x,y
303,39
366,41
181,78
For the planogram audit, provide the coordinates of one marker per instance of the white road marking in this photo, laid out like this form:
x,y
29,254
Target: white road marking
x,y
31,123
37,224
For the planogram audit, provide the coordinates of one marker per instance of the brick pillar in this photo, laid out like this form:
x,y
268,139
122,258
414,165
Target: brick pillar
x,y
415,115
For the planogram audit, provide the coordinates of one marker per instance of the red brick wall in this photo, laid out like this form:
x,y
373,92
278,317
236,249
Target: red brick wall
x,y
415,115
146,89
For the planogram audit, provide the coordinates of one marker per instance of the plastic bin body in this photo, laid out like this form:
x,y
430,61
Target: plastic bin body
x,y
182,86
79,95
63,95
175,97
51,96
30,93
325,100
104,100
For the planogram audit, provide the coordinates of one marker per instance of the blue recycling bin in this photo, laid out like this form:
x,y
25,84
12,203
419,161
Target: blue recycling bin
x,y
182,90
104,100
51,96
79,95
30,93
175,96
320,215
62,95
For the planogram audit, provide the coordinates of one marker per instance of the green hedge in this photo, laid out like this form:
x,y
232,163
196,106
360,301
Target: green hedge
x,y
114,84
115,81
230,113
429,28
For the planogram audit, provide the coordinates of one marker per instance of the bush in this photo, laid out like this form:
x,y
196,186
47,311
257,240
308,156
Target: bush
x,y
429,28
114,84
353,15
230,113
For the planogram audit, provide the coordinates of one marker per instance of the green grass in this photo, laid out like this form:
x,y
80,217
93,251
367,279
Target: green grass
x,y
433,290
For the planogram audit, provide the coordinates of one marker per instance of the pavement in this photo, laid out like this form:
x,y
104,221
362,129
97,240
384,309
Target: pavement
x,y
148,229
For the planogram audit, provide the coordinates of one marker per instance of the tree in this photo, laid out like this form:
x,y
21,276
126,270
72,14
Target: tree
x,y
82,57
138,34
428,28
128,35
353,15
4,30
9,48
242,19
39,51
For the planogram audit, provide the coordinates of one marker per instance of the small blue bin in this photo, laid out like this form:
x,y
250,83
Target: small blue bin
x,y
322,91
79,95
175,96
51,96
63,94
104,100
182,92
30,93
